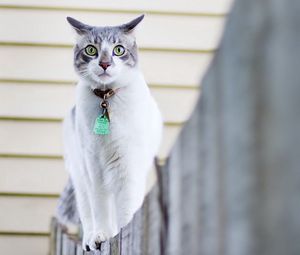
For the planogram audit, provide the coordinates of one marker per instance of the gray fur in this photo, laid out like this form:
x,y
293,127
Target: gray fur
x,y
80,27
67,210
109,173
128,27
96,35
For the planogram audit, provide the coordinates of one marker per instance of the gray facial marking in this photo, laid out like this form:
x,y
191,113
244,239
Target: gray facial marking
x,y
112,36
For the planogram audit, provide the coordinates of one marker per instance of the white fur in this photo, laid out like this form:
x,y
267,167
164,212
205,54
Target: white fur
x,y
109,172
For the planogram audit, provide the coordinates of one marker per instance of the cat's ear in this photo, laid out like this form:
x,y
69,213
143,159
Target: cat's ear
x,y
130,26
79,27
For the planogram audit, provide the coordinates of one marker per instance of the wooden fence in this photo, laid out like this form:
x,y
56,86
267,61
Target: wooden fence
x,y
232,182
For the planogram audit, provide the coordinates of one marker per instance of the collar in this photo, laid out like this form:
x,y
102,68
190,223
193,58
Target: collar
x,y
104,94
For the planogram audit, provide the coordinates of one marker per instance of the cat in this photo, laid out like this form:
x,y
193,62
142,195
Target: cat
x,y
113,133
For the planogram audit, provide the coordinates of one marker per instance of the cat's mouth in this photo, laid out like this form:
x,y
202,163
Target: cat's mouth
x,y
104,74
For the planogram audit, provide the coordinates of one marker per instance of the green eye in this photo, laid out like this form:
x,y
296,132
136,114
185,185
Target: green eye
x,y
91,50
119,50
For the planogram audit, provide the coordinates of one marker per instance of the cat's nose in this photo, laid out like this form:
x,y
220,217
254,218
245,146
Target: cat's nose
x,y
104,65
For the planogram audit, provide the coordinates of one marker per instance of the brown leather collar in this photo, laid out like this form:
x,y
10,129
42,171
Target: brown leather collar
x,y
104,94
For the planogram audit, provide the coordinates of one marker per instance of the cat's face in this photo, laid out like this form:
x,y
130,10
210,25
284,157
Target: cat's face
x,y
104,55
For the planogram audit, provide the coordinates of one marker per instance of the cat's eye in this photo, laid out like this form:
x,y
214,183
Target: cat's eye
x,y
91,50
119,50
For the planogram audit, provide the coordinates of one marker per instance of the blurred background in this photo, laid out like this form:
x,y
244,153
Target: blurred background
x,y
177,40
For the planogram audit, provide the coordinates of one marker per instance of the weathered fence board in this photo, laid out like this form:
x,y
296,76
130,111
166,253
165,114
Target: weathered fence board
x,y
232,182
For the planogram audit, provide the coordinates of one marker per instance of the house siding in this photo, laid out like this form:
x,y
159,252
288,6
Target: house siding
x,y
37,84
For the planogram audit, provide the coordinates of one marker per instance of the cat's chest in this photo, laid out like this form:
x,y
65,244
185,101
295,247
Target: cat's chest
x,y
119,114
124,118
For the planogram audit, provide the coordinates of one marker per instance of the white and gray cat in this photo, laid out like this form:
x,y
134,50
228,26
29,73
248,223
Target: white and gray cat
x,y
110,148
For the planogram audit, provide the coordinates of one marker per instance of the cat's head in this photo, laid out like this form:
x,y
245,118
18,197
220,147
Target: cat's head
x,y
105,55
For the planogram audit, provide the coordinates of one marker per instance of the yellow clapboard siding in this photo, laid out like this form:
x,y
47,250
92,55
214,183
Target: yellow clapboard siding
x,y
22,214
25,245
38,100
46,63
38,177
37,138
217,7
176,40
34,176
46,101
190,32
45,138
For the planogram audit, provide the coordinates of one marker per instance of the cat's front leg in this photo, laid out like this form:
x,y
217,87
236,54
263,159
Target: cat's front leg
x,y
104,217
84,209
129,199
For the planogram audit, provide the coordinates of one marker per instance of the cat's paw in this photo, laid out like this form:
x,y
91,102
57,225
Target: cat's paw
x,y
86,247
86,241
97,238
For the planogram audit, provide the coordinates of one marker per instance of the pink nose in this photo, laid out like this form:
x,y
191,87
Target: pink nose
x,y
104,65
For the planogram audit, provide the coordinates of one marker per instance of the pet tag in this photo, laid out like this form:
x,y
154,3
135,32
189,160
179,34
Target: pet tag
x,y
101,126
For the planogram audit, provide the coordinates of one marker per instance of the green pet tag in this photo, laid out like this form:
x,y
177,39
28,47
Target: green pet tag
x,y
101,126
